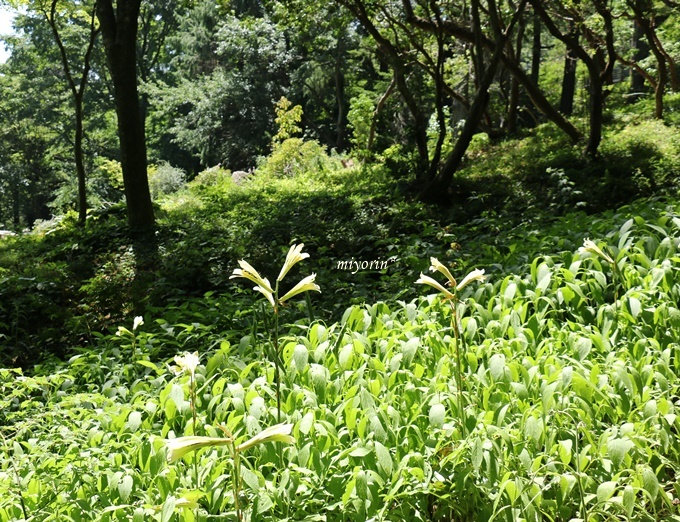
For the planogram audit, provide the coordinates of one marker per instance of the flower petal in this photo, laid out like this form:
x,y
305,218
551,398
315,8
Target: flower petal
x,y
437,266
177,448
295,255
277,433
267,294
139,320
591,246
188,362
475,275
306,284
427,280
248,272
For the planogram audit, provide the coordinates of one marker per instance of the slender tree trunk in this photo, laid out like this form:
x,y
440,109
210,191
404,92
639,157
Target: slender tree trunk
x,y
340,99
637,81
596,108
569,80
536,49
80,161
78,92
119,31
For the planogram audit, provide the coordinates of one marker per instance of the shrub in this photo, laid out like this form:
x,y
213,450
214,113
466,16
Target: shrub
x,y
295,157
165,179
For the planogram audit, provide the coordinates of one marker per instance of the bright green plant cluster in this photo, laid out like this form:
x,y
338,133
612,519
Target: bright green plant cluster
x,y
568,371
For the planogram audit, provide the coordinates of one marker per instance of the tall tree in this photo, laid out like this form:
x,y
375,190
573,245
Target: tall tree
x,y
77,84
119,31
598,53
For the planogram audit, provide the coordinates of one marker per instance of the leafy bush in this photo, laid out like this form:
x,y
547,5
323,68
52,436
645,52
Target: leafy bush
x,y
296,157
165,179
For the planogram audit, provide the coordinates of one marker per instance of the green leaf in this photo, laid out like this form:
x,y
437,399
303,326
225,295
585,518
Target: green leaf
x,y
168,509
605,491
300,356
497,366
617,449
564,451
477,454
533,428
384,458
634,306
125,487
650,483
437,415
359,452
629,499
134,421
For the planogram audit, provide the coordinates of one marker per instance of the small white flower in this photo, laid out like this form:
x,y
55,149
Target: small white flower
x,y
295,255
306,284
591,247
475,275
427,280
437,266
187,363
139,321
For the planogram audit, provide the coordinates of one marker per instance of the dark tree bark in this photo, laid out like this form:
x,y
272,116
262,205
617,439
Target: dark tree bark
x,y
119,32
569,79
536,49
78,92
637,80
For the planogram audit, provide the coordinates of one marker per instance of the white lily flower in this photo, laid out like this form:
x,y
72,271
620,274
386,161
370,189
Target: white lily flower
x,y
277,433
591,246
248,272
475,275
295,255
437,266
267,294
177,448
187,363
427,280
139,321
306,284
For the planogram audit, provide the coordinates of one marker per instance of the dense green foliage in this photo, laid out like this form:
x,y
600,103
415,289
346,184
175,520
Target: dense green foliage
x,y
141,378
570,373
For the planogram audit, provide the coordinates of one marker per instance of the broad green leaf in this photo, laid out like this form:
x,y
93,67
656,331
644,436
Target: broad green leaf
x,y
605,491
533,428
634,306
134,421
384,458
477,454
437,415
617,449
125,487
629,499
497,366
650,483
168,509
564,451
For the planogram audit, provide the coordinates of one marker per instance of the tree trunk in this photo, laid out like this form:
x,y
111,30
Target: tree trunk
x,y
637,81
536,49
119,31
78,92
340,99
596,93
80,161
569,80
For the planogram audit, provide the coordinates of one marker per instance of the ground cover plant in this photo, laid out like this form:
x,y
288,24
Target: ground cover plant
x,y
568,380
